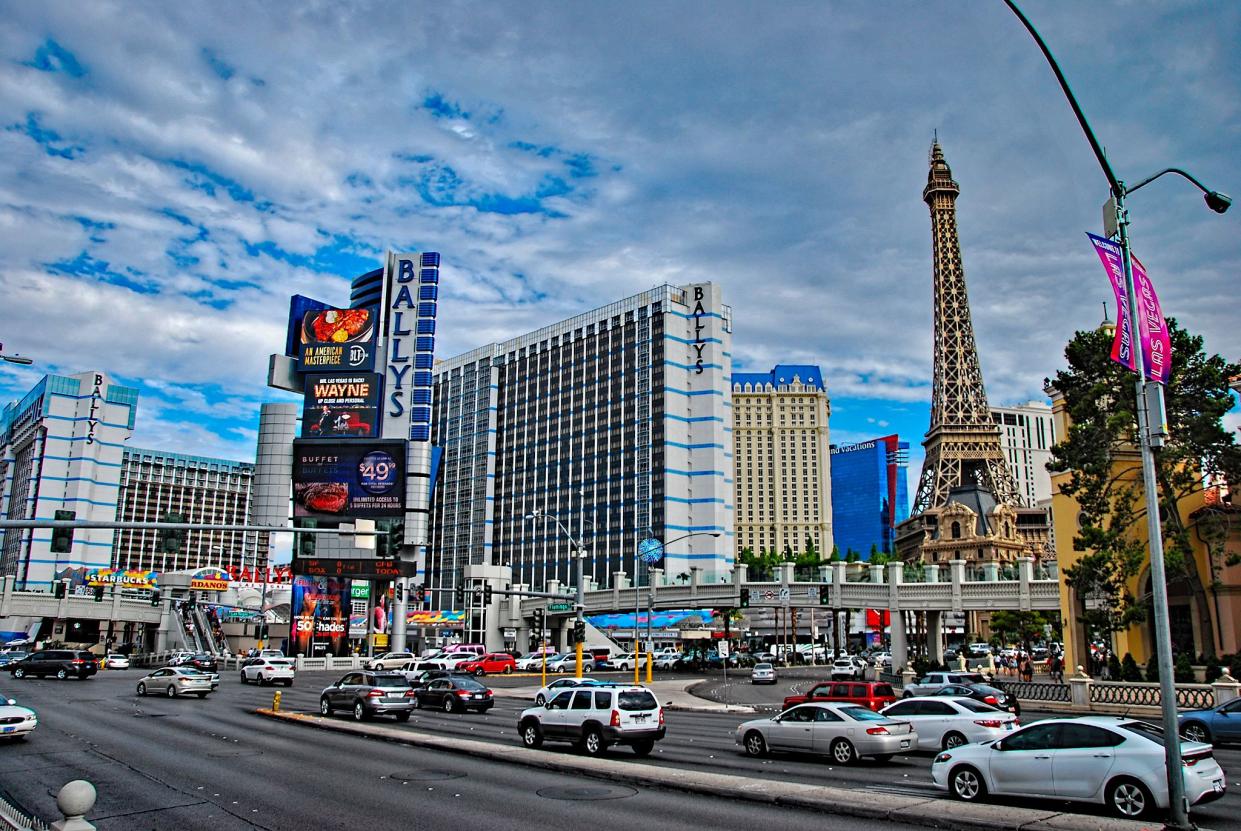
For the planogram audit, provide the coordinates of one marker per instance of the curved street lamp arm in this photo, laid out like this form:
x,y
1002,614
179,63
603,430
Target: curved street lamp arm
x,y
1176,170
1117,188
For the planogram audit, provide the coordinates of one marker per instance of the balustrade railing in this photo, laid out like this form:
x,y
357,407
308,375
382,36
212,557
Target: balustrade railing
x,y
1034,690
1188,696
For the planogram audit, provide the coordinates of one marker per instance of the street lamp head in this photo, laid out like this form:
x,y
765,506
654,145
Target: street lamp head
x,y
1218,202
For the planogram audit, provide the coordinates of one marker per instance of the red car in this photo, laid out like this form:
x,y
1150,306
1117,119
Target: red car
x,y
872,694
491,663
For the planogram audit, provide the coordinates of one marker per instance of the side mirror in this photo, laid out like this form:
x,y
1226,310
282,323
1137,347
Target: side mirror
x,y
11,701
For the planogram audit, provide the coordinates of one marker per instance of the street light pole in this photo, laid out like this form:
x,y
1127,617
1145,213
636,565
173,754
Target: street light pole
x,y
637,598
1146,393
579,559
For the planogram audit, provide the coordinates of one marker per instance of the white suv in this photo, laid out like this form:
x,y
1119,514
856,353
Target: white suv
x,y
594,718
266,671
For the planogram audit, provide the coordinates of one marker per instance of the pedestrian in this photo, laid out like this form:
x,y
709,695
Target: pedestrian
x,y
1027,669
1054,669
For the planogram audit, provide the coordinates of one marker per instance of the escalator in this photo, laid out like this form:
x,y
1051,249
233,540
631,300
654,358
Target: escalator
x,y
213,636
191,631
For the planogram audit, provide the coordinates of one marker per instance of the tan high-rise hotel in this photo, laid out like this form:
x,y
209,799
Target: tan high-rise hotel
x,y
781,447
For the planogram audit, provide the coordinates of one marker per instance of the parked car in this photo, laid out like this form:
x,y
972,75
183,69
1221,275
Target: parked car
x,y
560,684
16,722
1216,725
266,671
453,693
534,662
593,718
763,674
844,732
179,657
568,663
985,693
979,649
492,663
667,660
270,653
847,667
7,658
627,660
451,661
62,663
945,723
388,660
1111,760
871,694
368,693
883,660
935,680
174,682
115,661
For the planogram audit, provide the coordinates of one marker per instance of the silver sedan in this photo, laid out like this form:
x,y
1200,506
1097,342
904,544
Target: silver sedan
x,y
175,681
842,731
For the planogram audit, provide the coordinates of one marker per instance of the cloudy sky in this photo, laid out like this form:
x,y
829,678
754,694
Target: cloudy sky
x,y
171,173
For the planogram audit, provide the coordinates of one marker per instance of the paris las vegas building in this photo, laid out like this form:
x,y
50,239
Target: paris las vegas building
x,y
618,421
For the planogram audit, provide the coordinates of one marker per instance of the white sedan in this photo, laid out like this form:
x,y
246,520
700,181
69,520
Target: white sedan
x,y
533,663
763,674
16,722
265,671
944,723
116,661
1116,761
627,661
549,692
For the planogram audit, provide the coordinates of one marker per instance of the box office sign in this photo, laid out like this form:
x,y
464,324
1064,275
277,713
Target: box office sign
x,y
345,479
341,405
337,339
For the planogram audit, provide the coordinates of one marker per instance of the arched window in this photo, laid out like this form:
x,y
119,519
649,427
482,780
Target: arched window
x,y
956,530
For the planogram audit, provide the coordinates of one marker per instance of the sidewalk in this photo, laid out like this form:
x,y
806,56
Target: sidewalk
x,y
933,813
674,695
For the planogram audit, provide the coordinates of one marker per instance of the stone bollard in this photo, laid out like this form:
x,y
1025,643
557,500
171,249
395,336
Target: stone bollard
x,y
75,799
1226,689
1079,689
908,676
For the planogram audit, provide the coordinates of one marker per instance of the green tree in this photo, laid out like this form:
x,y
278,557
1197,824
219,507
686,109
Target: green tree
x,y
1183,669
1104,468
1129,670
789,556
851,556
1020,627
874,551
835,558
1152,669
810,554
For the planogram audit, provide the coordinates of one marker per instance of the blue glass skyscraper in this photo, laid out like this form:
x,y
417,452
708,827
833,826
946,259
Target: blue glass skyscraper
x,y
869,493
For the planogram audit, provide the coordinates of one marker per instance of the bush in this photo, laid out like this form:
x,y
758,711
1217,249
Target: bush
x,y
1152,669
1183,669
1213,671
1129,670
1113,667
1234,666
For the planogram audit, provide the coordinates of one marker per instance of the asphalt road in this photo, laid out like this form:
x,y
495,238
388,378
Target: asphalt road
x,y
210,764
214,763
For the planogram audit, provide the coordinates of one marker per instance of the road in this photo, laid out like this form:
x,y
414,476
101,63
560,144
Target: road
x,y
213,762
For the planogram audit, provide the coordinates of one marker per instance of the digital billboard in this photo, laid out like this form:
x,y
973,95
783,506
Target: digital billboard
x,y
346,479
320,615
380,568
340,405
337,339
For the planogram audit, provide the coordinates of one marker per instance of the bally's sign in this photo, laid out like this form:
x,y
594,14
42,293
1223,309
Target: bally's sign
x,y
412,294
700,343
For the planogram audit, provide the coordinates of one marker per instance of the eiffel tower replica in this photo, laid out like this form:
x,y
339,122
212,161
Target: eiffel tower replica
x,y
968,506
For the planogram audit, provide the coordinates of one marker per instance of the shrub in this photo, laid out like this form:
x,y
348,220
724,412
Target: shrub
x,y
1183,669
1129,670
1152,669
1213,671
1113,667
1234,666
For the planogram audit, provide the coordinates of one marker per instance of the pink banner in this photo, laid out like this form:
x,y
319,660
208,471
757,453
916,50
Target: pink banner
x,y
1152,330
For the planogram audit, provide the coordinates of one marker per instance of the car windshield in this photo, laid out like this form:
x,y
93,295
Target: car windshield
x,y
468,684
637,700
278,663
862,714
884,691
391,680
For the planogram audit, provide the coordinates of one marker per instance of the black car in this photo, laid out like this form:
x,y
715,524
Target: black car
x,y
202,660
63,663
984,693
454,693
419,679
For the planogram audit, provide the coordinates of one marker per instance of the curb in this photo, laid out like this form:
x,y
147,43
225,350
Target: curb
x,y
928,812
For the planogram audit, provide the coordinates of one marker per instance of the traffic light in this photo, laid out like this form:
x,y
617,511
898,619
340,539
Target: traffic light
x,y
155,598
388,543
400,592
172,540
538,619
579,631
420,594
487,595
98,594
306,542
458,593
745,599
825,595
62,538
60,588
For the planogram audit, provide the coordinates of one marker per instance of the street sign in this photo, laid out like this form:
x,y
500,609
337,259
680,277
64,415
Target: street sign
x,y
785,595
509,633
722,648
559,607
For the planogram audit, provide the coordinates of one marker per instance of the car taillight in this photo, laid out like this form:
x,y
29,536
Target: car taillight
x,y
991,722
375,694
411,694
1190,761
77,661
877,731
615,722
661,718
990,700
269,669
463,693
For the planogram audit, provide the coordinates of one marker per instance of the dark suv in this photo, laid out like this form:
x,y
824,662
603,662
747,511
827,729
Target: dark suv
x,y
62,663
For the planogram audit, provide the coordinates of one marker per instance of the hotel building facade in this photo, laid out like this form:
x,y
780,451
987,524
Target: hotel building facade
x,y
870,494
781,440
617,421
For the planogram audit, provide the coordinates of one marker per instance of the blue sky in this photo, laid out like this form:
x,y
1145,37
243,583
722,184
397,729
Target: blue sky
x,y
173,172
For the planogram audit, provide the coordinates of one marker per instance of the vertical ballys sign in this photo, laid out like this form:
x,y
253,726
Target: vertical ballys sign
x,y
412,296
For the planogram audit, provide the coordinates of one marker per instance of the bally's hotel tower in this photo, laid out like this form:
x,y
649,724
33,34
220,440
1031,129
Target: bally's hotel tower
x,y
617,421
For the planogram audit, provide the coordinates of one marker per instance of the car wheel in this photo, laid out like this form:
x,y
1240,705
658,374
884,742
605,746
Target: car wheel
x,y
593,743
243,678
755,744
966,784
563,669
480,672
325,708
359,711
142,689
201,695
531,736
450,705
883,757
402,717
843,752
61,674
907,694
643,747
264,682
19,673
1196,731
508,669
1128,798
953,739
171,692
540,699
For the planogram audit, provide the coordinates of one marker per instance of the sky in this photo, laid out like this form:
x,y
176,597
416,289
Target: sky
x,y
171,173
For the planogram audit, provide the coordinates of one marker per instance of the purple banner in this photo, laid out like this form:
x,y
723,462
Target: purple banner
x,y
1152,330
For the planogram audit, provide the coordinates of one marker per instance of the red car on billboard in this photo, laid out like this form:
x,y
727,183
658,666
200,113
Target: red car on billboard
x,y
340,423
491,663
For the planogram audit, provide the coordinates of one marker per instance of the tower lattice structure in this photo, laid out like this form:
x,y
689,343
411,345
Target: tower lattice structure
x,y
963,443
